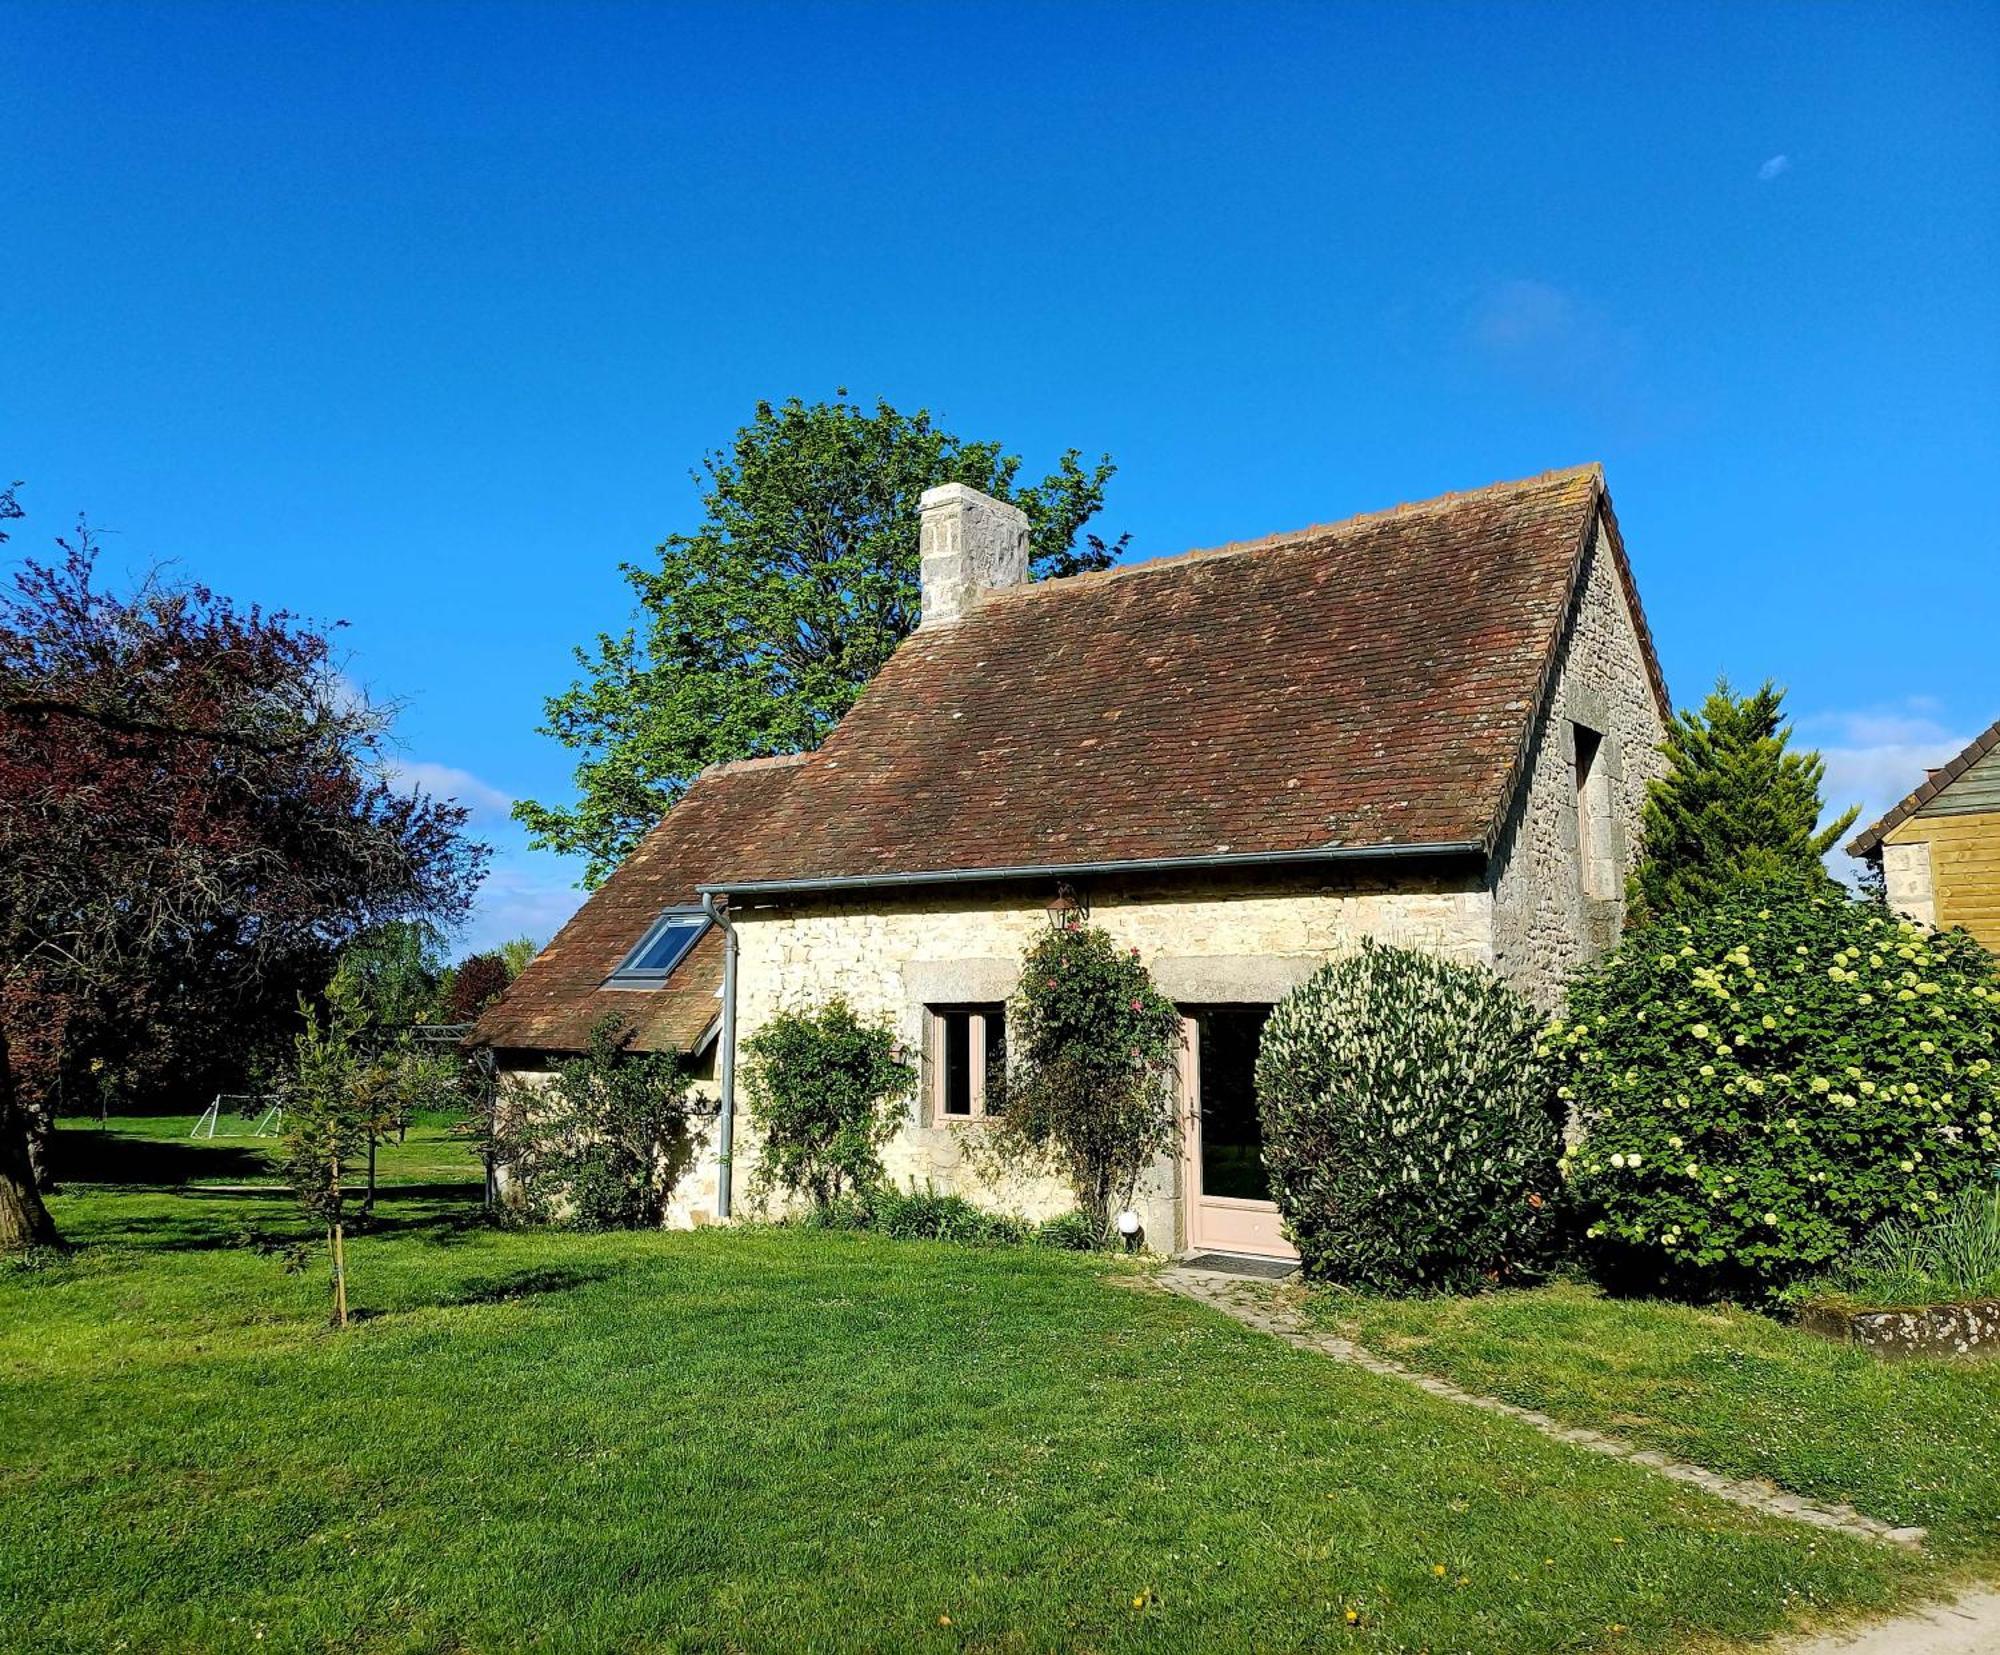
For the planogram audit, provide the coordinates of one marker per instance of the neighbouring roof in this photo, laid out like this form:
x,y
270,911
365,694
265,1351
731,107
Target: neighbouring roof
x,y
1869,839
1364,686
553,1005
1369,687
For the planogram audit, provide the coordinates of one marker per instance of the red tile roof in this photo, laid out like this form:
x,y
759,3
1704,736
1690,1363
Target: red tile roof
x,y
1869,839
1369,685
1366,687
552,1005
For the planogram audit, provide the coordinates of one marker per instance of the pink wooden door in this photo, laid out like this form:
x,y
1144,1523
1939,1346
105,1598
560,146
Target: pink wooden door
x,y
1228,1191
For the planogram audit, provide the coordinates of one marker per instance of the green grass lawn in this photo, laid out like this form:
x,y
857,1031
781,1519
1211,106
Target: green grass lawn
x,y
761,1439
151,1151
1911,1442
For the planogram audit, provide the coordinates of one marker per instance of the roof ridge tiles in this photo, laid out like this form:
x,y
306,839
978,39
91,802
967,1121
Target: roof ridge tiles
x,y
736,767
1284,539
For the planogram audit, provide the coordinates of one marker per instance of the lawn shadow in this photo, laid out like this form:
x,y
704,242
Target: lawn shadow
x,y
80,1156
532,1282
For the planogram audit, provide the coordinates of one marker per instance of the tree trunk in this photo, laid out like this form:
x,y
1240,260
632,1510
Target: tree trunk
x,y
368,1205
338,1250
339,1279
41,1125
24,1221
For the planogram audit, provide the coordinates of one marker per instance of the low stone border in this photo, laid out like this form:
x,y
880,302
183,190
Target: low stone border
x,y
1256,1305
1923,1330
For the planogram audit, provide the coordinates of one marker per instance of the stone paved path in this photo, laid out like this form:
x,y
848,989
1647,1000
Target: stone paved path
x,y
1258,1305
1970,1626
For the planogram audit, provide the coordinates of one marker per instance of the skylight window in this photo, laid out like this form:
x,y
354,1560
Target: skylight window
x,y
664,946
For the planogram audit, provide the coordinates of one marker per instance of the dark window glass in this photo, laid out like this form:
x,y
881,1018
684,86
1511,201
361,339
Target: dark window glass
x,y
1232,1141
663,947
957,1062
996,1062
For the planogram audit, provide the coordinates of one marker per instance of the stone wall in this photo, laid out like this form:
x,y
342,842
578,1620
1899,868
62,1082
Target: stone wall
x,y
1906,880
1935,1330
1247,941
1557,901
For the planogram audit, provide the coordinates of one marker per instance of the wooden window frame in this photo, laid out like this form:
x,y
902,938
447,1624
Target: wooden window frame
x,y
976,1059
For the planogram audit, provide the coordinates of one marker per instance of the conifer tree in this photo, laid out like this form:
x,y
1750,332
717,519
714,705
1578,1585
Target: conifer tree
x,y
1735,807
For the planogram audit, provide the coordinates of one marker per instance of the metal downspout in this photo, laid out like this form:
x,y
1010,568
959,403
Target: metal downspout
x,y
725,1132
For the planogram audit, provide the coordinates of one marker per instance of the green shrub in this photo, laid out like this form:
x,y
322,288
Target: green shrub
x,y
603,1146
1094,1047
826,1091
1408,1124
1761,1085
925,1215
846,1212
1068,1232
917,1215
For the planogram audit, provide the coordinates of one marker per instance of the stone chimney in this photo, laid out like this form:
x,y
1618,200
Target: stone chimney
x,y
971,543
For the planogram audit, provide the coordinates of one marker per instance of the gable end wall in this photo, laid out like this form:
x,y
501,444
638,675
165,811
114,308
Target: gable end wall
x,y
1976,793
1544,924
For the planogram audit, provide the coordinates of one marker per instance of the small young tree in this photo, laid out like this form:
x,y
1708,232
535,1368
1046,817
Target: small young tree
x,y
327,1113
825,1091
1094,1047
603,1146
517,953
1735,808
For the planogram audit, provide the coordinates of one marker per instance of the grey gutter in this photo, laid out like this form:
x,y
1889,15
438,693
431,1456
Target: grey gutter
x,y
1058,870
725,1063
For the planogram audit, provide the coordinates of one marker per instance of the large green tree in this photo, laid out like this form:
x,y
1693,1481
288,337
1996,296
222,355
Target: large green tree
x,y
1735,806
755,633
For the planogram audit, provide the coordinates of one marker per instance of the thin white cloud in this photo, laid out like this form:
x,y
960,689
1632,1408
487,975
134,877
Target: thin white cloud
x,y
1874,755
1776,167
446,781
521,897
1556,342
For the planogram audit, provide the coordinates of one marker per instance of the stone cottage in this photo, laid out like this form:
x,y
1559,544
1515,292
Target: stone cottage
x,y
1431,725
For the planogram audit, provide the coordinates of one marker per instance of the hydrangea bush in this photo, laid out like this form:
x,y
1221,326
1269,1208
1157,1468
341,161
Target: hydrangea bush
x,y
1759,1086
1409,1125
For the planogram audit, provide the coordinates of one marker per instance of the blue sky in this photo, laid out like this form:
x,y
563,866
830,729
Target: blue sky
x,y
419,316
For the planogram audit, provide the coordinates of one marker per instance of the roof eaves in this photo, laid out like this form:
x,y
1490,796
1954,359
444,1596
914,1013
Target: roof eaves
x,y
1220,862
1869,839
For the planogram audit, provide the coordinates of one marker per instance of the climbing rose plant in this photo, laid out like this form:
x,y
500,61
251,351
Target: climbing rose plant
x,y
1762,1083
1094,1047
827,1090
1408,1124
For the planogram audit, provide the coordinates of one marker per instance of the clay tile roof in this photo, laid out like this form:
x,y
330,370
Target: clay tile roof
x,y
1869,839
553,1004
1369,685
